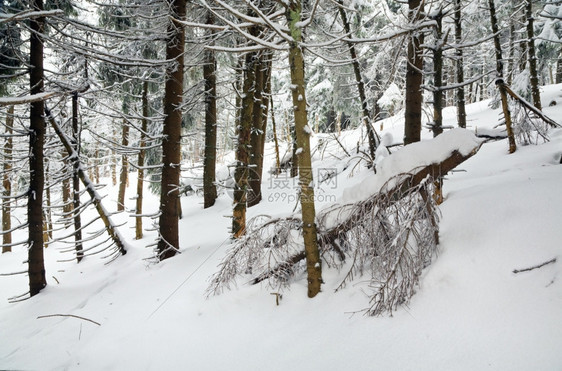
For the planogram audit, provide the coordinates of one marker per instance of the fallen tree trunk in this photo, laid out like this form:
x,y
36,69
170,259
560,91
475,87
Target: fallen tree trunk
x,y
329,238
96,198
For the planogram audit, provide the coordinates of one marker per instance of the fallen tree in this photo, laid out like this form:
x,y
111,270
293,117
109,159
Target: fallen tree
x,y
117,241
391,232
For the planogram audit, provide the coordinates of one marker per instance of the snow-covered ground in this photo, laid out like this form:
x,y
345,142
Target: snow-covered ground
x,y
471,312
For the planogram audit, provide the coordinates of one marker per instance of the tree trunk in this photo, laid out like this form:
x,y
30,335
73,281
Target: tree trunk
x,y
535,92
257,138
437,126
296,62
7,183
36,262
275,140
559,68
461,108
124,168
242,150
367,117
499,77
76,181
210,160
168,243
414,77
97,165
140,162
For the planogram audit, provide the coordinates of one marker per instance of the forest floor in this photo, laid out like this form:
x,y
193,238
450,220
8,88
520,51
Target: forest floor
x,y
470,312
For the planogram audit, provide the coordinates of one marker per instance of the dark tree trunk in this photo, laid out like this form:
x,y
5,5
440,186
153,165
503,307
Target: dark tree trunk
x,y
275,140
437,126
261,97
36,262
209,162
414,77
461,109
140,162
7,183
242,149
123,176
76,181
168,243
535,92
499,78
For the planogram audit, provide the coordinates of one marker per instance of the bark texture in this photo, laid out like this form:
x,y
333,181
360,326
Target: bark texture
x,y
535,92
168,243
7,183
140,162
242,149
296,62
461,109
414,77
209,162
123,176
76,181
36,262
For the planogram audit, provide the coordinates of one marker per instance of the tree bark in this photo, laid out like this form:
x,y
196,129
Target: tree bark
x,y
275,140
168,243
414,77
261,98
7,183
559,68
242,149
36,262
76,181
209,162
437,126
535,92
123,176
461,108
140,162
306,181
499,78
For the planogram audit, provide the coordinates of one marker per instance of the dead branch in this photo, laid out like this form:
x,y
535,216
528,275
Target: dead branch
x,y
90,188
553,260
69,315
528,106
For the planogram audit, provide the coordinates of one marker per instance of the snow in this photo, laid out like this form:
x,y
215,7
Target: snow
x,y
471,312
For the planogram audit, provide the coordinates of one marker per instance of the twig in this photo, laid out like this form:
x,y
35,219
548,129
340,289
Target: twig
x,y
553,260
69,315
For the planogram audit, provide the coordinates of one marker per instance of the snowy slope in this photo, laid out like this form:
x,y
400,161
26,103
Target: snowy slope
x,y
471,312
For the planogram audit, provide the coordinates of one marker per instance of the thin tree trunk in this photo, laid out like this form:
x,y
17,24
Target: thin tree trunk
x,y
76,181
461,108
499,78
140,162
367,117
296,62
414,77
124,168
242,150
168,243
559,68
275,140
97,165
511,56
535,92
7,183
210,160
36,262
437,126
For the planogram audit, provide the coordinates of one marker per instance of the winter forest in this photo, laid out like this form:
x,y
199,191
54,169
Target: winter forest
x,y
281,184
